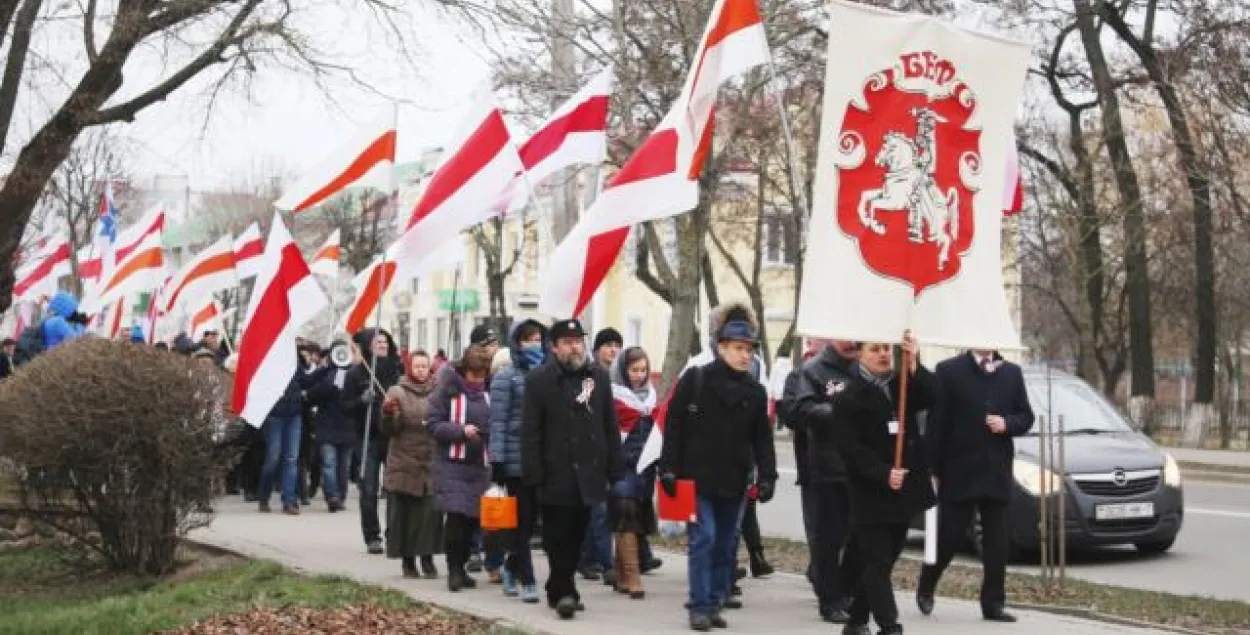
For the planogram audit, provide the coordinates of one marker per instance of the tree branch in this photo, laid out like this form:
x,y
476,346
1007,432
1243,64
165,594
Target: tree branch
x,y
232,35
16,64
88,31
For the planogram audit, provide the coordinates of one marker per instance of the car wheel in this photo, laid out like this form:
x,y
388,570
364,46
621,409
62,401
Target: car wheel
x,y
1155,547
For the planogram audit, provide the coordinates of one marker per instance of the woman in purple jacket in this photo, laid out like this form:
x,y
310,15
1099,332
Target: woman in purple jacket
x,y
459,417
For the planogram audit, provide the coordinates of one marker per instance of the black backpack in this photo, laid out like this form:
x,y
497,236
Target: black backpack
x,y
30,344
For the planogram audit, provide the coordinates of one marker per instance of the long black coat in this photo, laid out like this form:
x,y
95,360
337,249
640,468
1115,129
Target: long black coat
x,y
726,433
332,423
815,415
970,462
570,448
863,437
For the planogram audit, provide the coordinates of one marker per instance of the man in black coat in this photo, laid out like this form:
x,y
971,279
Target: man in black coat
x,y
570,452
826,474
982,406
362,398
716,431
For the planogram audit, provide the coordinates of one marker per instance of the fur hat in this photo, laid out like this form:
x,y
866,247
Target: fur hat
x,y
733,321
607,336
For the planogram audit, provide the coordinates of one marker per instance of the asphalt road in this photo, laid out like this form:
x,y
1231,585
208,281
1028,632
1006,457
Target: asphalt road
x,y
1210,556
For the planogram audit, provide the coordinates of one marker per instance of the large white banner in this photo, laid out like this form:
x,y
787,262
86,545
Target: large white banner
x,y
907,209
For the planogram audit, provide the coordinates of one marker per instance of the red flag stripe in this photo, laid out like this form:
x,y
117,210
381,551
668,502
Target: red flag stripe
x,y
369,296
329,252
150,259
589,116
216,264
601,255
656,157
273,312
487,142
42,271
381,150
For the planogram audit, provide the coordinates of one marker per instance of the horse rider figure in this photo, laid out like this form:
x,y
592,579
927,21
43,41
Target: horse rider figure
x,y
925,192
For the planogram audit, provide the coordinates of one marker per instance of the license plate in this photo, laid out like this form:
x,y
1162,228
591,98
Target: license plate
x,y
1122,511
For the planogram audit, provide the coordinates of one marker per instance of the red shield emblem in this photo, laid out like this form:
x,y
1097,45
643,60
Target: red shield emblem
x,y
909,162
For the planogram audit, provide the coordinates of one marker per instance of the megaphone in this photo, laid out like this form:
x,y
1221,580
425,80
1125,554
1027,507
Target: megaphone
x,y
341,355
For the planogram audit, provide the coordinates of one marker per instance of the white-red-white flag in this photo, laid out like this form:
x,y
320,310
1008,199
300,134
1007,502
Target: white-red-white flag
x,y
142,270
248,248
364,159
466,187
661,178
908,202
210,271
39,275
576,133
370,284
206,318
285,298
326,261
92,259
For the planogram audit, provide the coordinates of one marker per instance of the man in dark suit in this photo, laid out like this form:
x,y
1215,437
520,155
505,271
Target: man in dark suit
x,y
570,452
982,405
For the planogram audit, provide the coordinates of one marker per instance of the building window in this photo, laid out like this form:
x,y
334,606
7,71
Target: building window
x,y
777,237
423,335
440,334
633,331
668,235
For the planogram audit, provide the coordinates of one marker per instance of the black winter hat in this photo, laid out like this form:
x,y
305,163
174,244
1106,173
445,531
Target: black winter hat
x,y
483,335
608,336
566,328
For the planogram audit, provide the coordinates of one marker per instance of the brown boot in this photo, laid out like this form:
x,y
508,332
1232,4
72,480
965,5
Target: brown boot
x,y
618,582
631,568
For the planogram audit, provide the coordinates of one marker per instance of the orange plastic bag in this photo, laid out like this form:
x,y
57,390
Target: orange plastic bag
x,y
498,510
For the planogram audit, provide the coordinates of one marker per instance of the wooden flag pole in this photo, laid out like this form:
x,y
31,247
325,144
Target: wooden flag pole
x,y
902,409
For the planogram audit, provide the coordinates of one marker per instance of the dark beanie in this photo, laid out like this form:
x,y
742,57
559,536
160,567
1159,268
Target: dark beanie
x,y
608,336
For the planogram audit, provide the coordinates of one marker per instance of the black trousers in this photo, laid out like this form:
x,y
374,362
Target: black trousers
x,y
457,538
953,521
877,547
831,503
751,529
520,560
564,528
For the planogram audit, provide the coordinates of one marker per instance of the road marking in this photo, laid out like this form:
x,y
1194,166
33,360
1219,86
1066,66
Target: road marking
x,y
1217,512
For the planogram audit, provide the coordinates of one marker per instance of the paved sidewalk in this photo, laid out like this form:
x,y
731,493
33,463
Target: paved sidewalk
x,y
1229,458
318,542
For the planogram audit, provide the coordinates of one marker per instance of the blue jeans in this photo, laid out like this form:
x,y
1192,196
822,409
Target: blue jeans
x,y
282,437
335,459
712,544
597,545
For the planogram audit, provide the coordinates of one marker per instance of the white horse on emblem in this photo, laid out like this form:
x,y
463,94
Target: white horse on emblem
x,y
909,187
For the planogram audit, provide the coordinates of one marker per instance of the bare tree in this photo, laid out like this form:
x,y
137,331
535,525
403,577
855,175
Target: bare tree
x,y
73,193
226,39
501,260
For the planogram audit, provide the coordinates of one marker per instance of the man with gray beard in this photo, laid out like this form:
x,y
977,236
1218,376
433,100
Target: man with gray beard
x,y
570,452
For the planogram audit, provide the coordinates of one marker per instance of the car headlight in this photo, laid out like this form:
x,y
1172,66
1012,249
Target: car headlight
x,y
1171,472
1029,476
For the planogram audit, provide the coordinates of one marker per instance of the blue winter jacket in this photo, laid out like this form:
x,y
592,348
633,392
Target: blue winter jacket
x,y
56,327
507,395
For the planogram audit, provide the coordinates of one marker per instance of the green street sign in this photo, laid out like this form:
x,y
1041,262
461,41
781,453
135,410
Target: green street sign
x,y
459,300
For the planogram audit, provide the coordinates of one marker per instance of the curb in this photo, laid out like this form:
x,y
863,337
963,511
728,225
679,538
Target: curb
x,y
496,623
1097,616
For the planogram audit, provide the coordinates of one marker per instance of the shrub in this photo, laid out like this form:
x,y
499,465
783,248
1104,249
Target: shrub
x,y
113,443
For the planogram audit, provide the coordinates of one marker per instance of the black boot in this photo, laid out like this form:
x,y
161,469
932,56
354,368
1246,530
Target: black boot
x,y
759,566
457,579
428,570
409,567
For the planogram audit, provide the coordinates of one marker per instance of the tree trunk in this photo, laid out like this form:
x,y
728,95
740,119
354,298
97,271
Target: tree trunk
x,y
1193,166
682,334
1141,344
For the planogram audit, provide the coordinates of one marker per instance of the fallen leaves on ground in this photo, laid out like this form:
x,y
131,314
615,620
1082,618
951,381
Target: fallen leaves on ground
x,y
364,619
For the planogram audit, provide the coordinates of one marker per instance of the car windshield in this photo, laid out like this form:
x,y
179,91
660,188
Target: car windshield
x,y
1080,408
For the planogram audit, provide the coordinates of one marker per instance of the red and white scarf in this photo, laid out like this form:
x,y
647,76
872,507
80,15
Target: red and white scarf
x,y
630,409
459,410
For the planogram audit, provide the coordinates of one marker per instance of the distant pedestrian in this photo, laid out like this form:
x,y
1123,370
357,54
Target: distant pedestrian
x,y
596,558
631,514
334,429
377,368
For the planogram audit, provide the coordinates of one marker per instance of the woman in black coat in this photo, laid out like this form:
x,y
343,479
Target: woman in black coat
x,y
883,499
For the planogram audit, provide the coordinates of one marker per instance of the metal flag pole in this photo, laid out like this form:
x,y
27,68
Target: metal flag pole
x,y
787,135
334,306
372,361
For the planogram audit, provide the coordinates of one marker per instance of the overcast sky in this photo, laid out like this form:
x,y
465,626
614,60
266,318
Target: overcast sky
x,y
288,122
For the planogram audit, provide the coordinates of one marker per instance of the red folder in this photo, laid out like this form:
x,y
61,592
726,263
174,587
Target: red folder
x,y
679,508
